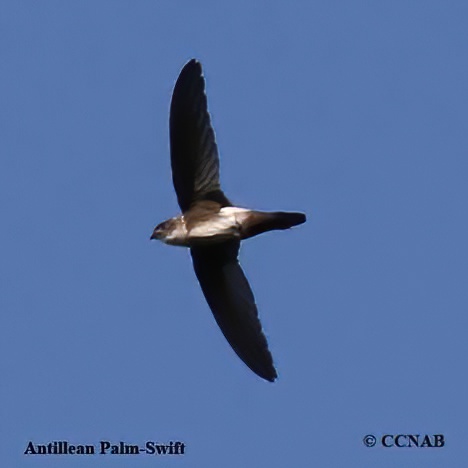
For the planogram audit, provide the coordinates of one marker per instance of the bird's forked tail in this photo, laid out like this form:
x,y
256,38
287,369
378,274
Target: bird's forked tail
x,y
260,221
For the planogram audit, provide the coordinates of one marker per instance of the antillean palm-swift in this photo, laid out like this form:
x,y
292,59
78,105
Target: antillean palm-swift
x,y
211,226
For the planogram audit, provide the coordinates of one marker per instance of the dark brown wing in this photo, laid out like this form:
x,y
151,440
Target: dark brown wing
x,y
231,300
194,154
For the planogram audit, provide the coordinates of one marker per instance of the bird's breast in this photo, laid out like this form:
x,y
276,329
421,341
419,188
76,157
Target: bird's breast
x,y
219,227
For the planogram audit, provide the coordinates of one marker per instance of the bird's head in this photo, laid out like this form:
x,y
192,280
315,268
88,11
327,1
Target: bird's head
x,y
160,231
170,231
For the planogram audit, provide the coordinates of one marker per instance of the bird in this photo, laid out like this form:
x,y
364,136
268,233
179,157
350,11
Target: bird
x,y
211,226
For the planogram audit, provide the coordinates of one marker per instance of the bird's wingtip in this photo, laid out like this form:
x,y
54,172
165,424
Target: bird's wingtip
x,y
192,63
269,374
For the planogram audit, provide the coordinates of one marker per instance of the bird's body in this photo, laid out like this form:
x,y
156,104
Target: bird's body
x,y
203,226
211,226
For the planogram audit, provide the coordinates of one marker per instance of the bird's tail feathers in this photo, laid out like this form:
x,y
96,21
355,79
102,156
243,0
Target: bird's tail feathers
x,y
261,221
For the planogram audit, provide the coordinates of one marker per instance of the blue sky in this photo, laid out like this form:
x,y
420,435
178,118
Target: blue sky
x,y
353,112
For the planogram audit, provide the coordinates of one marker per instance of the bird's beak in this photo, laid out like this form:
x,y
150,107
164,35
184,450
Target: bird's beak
x,y
153,236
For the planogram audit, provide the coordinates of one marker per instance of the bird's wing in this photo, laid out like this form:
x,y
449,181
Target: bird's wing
x,y
231,300
194,154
